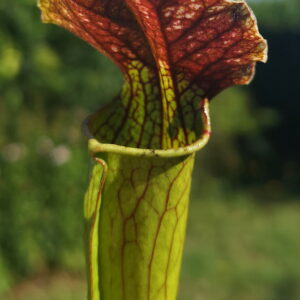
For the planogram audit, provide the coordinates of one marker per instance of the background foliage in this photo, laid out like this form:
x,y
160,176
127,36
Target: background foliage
x,y
243,235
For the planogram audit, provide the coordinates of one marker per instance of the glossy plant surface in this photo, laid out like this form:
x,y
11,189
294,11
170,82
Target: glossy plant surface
x,y
175,56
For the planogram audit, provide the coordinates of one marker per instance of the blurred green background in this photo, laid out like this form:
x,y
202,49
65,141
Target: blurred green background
x,y
243,232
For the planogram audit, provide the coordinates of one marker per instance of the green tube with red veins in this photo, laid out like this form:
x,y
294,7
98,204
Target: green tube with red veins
x,y
175,56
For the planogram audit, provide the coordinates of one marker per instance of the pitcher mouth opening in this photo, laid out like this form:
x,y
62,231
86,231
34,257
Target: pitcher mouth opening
x,y
95,146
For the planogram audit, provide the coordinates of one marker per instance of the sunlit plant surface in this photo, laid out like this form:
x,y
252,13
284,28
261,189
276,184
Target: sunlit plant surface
x,y
175,56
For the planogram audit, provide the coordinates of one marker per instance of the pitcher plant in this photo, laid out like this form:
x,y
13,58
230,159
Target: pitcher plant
x,y
175,56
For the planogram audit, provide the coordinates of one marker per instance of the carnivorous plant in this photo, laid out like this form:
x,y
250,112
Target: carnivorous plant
x,y
175,55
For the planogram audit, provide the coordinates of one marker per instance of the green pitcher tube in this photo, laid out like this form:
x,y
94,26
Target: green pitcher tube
x,y
135,212
141,226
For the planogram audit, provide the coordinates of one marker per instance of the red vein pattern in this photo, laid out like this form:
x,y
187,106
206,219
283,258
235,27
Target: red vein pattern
x,y
170,52
174,55
214,43
146,231
111,29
